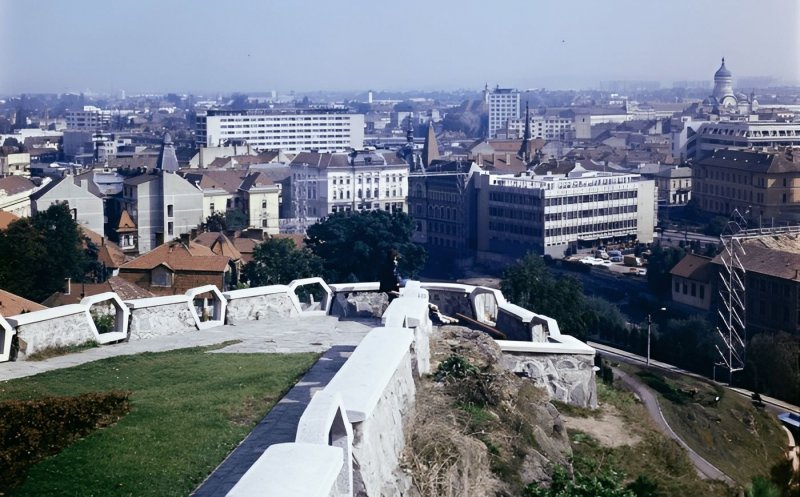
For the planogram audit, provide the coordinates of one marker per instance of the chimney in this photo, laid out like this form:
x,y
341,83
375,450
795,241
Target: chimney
x,y
185,238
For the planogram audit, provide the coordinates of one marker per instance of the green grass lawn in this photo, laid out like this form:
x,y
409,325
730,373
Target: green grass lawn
x,y
189,409
731,434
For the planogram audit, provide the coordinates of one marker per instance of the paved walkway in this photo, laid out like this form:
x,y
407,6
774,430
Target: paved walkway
x,y
336,338
281,335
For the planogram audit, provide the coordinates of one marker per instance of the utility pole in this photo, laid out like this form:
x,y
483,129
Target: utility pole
x,y
649,327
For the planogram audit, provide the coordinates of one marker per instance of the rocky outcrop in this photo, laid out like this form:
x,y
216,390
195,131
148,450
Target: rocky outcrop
x,y
484,431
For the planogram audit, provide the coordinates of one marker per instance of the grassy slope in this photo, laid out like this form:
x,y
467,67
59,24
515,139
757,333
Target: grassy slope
x,y
731,434
189,410
657,457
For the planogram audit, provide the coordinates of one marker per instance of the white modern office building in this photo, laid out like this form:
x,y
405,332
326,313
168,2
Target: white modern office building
x,y
504,104
292,131
547,214
89,118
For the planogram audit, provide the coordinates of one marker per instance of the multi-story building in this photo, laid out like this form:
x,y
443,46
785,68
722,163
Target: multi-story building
x,y
674,185
741,135
255,194
764,183
558,126
547,214
772,282
440,200
162,206
90,118
324,183
503,105
85,206
292,131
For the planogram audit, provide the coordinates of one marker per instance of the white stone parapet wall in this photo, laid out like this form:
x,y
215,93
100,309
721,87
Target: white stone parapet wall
x,y
362,411
35,330
160,316
252,304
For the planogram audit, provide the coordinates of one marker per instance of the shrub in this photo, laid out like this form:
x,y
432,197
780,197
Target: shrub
x,y
103,322
34,429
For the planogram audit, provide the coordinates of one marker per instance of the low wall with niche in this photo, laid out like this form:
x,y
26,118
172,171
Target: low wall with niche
x,y
252,304
160,316
37,331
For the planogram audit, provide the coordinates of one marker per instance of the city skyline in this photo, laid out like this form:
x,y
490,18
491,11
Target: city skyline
x,y
200,47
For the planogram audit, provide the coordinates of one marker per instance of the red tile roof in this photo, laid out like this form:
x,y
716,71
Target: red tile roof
x,y
11,305
179,256
6,218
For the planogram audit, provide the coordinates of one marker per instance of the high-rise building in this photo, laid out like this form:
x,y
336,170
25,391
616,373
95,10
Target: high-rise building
x,y
504,104
290,130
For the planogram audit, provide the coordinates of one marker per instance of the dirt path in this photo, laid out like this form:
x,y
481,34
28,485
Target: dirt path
x,y
610,429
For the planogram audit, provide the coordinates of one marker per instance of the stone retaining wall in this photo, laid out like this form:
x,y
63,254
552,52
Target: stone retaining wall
x,y
568,378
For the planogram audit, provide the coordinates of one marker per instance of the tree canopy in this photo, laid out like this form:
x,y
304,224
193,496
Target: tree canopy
x,y
40,252
354,246
530,284
278,261
659,264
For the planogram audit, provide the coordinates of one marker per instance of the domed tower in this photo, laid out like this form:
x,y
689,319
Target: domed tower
x,y
723,87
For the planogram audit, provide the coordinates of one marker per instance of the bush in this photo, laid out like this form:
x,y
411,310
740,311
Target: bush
x,y
34,429
103,322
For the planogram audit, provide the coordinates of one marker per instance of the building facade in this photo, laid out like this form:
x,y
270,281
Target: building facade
x,y
440,201
162,206
86,207
325,183
548,214
741,135
766,185
292,131
90,118
674,186
504,104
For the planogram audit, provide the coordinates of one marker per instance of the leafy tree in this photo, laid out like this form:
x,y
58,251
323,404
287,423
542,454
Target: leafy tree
x,y
659,264
604,318
529,284
772,365
233,219
278,261
236,219
216,222
39,253
716,225
354,246
688,343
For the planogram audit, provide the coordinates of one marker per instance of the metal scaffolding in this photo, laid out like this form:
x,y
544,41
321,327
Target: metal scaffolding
x,y
732,308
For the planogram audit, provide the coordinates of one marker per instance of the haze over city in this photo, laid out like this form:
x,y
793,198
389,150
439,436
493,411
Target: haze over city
x,y
203,46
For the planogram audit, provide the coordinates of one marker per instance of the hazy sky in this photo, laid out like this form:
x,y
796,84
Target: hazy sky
x,y
260,45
